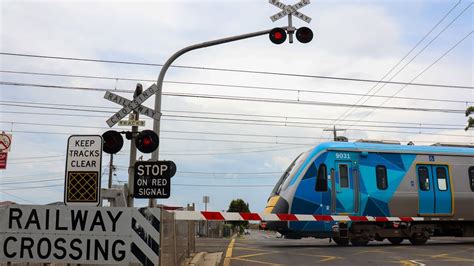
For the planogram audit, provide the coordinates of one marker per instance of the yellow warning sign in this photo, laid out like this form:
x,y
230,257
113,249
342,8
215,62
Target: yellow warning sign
x,y
82,187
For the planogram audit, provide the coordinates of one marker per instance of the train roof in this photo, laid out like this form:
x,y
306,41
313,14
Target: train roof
x,y
391,148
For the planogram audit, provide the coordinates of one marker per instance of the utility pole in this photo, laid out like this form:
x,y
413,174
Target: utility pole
x,y
334,130
470,121
133,150
111,169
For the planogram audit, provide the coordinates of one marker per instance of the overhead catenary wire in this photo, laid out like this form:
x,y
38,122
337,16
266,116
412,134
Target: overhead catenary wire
x,y
233,70
287,123
335,92
174,185
266,100
20,198
237,134
286,118
345,114
419,74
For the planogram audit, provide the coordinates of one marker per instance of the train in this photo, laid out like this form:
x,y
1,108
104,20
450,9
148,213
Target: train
x,y
377,179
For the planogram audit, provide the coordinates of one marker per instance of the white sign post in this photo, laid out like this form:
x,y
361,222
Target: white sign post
x,y
83,170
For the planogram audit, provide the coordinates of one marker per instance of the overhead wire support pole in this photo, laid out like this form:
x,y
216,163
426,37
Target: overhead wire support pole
x,y
159,82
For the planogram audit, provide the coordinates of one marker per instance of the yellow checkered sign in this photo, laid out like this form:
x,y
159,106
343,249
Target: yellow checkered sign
x,y
82,187
83,170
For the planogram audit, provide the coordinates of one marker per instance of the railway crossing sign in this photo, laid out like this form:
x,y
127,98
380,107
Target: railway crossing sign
x,y
290,10
83,170
134,104
153,179
85,235
132,121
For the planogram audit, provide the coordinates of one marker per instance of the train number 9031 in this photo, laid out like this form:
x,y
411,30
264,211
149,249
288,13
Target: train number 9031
x,y
342,156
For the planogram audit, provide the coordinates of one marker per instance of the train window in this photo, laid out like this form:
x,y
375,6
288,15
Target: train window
x,y
442,180
424,178
343,175
471,177
381,175
322,179
291,171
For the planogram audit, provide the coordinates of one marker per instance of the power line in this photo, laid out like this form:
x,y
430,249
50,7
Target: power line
x,y
1,191
233,134
38,157
421,73
174,185
257,99
233,70
222,85
413,58
240,134
420,124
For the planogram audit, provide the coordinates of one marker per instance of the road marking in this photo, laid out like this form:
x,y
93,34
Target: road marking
x,y
255,254
373,251
228,253
252,249
257,261
417,263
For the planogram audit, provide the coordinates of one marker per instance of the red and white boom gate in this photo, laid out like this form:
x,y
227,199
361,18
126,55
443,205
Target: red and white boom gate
x,y
247,216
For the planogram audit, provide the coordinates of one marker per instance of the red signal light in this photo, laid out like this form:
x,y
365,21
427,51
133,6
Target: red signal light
x,y
147,141
277,36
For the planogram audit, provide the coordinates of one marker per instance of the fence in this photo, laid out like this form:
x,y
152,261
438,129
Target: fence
x,y
177,238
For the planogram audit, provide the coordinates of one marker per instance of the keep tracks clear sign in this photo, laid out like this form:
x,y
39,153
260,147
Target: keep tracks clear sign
x,y
83,170
64,234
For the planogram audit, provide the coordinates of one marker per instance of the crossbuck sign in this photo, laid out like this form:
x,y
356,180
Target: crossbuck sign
x,y
290,10
129,106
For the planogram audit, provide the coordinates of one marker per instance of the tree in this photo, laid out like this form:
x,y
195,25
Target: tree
x,y
239,205
470,122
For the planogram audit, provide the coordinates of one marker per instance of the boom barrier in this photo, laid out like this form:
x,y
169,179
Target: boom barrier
x,y
246,216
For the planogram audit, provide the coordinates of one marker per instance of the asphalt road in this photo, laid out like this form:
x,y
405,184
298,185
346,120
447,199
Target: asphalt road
x,y
263,248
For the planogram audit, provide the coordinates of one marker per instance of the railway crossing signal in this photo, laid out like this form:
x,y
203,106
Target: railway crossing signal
x,y
303,34
146,141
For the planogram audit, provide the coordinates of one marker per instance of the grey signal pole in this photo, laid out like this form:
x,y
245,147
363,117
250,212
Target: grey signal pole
x,y
159,83
133,151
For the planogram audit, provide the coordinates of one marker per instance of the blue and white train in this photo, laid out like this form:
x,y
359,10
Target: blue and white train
x,y
377,179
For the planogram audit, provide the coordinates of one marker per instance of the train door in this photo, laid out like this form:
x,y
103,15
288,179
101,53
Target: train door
x,y
344,187
434,190
444,200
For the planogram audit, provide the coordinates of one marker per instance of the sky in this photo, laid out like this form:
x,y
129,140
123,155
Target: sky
x,y
226,149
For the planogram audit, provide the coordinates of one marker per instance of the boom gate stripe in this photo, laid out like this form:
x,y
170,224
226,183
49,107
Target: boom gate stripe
x,y
248,216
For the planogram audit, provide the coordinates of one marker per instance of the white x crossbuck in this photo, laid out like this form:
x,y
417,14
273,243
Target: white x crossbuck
x,y
290,10
134,104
